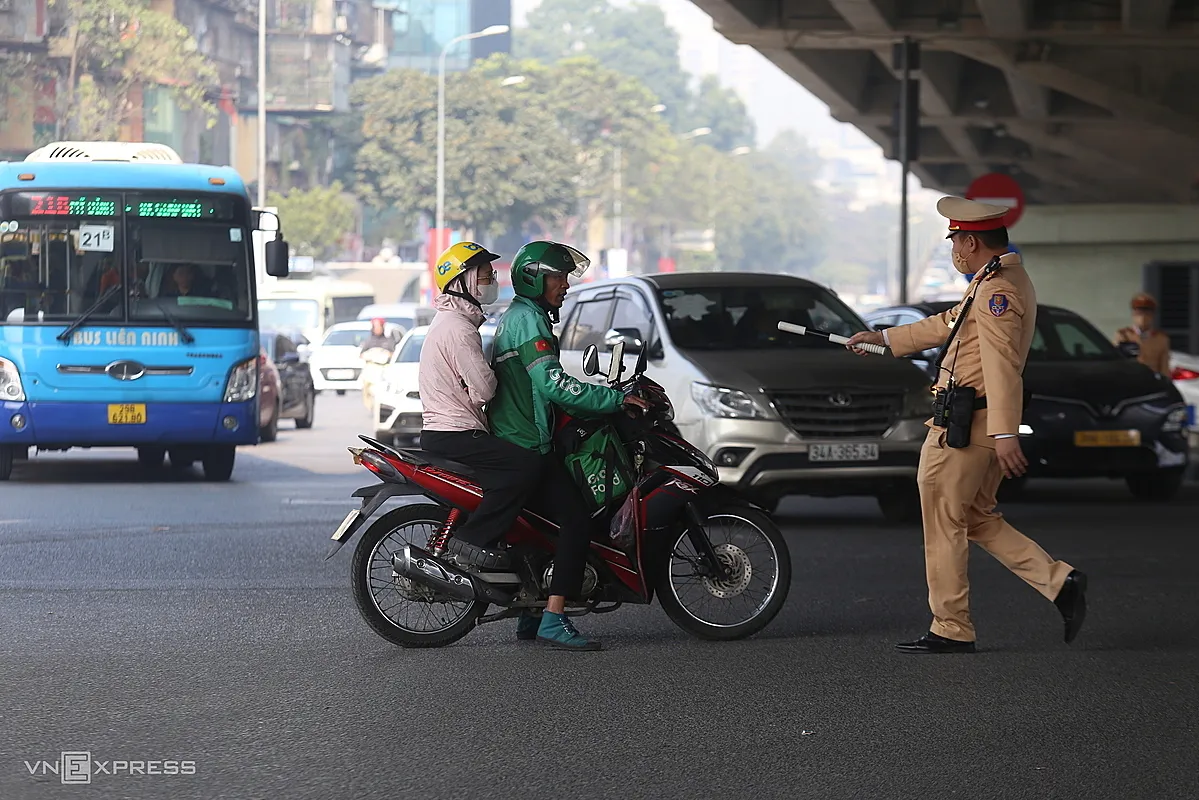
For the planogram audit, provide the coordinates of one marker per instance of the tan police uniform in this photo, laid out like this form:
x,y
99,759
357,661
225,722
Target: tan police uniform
x,y
958,486
1152,346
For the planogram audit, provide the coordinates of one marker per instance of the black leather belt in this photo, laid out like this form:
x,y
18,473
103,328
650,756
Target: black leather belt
x,y
980,403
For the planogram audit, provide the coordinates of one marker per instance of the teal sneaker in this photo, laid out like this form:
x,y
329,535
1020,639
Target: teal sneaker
x,y
557,630
526,626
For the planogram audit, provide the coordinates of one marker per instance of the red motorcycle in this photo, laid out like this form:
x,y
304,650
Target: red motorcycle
x,y
718,563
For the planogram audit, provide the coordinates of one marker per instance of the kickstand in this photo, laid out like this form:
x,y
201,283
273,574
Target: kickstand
x,y
507,613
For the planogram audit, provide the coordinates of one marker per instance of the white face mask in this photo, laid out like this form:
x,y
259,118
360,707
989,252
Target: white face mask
x,y
488,293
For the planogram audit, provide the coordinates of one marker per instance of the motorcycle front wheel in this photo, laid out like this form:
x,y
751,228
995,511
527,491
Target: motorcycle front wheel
x,y
402,611
745,601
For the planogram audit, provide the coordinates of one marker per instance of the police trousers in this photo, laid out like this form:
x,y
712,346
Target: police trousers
x,y
957,502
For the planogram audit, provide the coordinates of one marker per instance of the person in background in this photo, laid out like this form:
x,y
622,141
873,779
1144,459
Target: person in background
x,y
378,337
1142,340
186,283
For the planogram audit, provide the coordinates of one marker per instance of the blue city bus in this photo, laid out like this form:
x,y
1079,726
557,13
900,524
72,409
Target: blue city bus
x,y
128,311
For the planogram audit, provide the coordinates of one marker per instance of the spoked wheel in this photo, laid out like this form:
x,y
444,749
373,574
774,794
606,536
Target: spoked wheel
x,y
748,597
400,610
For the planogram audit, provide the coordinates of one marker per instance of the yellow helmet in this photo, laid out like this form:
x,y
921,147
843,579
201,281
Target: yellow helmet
x,y
457,260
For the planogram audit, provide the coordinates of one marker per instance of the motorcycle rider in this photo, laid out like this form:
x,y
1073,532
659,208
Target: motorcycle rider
x,y
531,382
455,383
378,337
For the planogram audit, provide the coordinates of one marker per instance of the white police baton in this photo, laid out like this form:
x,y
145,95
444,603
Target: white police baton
x,y
788,327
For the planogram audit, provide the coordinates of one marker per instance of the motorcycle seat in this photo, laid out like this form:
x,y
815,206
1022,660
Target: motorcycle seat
x,y
424,457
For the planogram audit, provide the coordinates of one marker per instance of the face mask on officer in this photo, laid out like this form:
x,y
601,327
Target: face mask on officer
x,y
961,254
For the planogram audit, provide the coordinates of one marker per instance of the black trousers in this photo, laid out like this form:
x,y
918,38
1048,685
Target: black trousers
x,y
506,472
512,478
558,499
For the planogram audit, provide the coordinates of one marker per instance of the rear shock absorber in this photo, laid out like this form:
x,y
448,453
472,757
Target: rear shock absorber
x,y
438,538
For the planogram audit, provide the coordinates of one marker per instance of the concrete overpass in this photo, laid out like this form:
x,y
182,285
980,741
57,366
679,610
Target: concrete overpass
x,y
1092,106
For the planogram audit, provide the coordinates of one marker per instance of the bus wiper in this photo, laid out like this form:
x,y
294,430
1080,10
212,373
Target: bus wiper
x,y
82,318
184,333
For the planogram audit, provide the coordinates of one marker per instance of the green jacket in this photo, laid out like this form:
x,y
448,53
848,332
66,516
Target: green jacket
x,y
531,381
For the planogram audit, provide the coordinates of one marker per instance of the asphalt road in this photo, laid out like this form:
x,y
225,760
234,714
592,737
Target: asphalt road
x,y
171,619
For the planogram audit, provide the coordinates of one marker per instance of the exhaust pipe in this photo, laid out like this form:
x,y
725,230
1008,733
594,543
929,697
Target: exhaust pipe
x,y
423,567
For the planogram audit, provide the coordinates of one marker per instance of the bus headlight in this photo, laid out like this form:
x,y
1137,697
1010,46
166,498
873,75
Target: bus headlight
x,y
243,382
10,382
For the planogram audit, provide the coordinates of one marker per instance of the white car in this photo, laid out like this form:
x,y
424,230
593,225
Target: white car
x,y
336,362
398,411
1184,371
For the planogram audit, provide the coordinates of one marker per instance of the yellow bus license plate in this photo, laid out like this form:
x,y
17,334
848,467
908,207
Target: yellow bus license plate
x,y
1107,438
127,414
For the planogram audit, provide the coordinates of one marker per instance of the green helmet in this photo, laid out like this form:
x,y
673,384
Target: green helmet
x,y
535,259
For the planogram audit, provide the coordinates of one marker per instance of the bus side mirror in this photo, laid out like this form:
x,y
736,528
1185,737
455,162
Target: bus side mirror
x,y
277,258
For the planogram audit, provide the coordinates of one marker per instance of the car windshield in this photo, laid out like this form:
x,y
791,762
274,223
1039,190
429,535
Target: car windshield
x,y
346,338
301,314
410,352
746,318
1064,336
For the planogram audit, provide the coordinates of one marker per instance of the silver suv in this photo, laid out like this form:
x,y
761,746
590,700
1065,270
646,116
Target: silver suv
x,y
779,414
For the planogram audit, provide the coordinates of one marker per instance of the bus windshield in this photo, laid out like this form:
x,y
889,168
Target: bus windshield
x,y
167,258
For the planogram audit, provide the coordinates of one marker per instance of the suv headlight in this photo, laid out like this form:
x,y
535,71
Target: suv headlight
x,y
1175,420
243,382
917,404
719,401
10,382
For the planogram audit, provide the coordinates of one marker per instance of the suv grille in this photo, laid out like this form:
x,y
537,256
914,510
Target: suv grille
x,y
838,414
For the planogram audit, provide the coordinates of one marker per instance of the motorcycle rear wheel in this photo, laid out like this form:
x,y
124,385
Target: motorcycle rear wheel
x,y
735,550
374,584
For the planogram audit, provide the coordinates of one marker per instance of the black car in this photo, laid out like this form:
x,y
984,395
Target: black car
x,y
1091,412
295,378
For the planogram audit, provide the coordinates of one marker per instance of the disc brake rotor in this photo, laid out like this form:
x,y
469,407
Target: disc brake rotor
x,y
739,568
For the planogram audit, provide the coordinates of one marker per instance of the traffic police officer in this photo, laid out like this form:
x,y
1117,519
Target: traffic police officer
x,y
1148,344
958,484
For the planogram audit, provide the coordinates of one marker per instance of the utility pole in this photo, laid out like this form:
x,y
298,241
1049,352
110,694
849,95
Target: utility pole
x,y
617,233
261,103
906,58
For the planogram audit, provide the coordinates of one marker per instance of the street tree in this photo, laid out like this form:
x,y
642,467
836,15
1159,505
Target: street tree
x,y
107,50
720,109
632,39
504,165
598,110
316,221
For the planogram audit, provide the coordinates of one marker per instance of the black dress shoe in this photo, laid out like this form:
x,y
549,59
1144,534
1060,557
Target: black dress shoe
x,y
1072,602
475,556
932,643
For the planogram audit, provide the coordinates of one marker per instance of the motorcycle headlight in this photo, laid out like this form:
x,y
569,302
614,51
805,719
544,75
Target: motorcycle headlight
x,y
10,382
242,384
720,401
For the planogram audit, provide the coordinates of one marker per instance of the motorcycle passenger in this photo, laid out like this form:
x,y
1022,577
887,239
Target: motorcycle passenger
x,y
531,382
455,383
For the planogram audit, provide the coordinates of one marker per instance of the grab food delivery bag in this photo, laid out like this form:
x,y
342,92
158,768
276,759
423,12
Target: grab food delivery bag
x,y
596,460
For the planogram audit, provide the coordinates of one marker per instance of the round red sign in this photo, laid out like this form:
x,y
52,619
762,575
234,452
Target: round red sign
x,y
1000,190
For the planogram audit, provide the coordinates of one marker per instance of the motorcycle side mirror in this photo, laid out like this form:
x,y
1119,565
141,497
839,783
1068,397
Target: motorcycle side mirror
x,y
591,361
642,362
616,365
